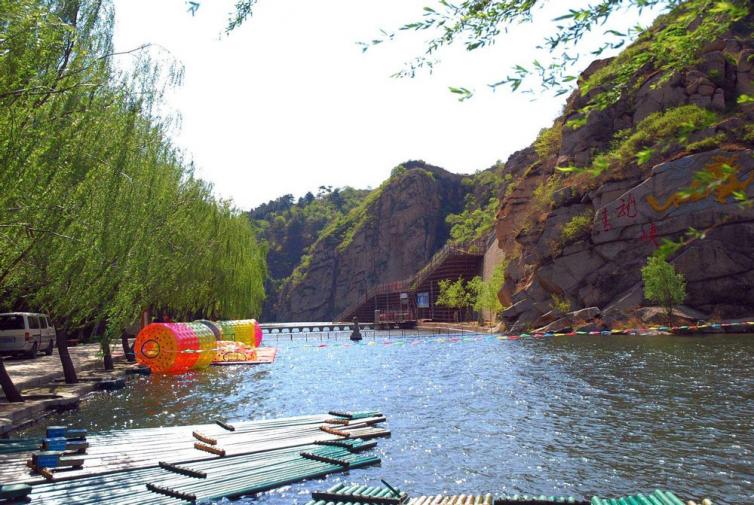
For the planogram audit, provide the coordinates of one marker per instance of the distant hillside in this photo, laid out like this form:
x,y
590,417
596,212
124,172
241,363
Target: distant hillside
x,y
290,227
388,235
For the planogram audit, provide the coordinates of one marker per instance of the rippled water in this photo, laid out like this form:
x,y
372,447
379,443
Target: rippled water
x,y
564,416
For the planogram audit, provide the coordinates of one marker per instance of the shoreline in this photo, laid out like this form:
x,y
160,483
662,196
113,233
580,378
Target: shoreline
x,y
40,382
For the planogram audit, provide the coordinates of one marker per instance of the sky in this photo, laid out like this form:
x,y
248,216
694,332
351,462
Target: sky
x,y
288,102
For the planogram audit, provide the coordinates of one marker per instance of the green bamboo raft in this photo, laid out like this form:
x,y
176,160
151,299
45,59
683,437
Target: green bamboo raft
x,y
140,448
247,458
355,494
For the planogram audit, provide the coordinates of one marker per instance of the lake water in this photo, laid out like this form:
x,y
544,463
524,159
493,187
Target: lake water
x,y
558,416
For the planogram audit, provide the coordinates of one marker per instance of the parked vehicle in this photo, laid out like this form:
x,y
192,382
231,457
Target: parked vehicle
x,y
26,333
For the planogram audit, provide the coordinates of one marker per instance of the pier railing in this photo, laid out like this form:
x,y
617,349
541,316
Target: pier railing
x,y
476,247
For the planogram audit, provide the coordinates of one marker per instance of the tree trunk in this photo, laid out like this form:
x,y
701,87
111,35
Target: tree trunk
x,y
670,314
65,358
127,351
10,390
108,356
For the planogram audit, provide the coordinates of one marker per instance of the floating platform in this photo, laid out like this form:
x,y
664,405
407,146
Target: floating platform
x,y
356,494
189,463
263,356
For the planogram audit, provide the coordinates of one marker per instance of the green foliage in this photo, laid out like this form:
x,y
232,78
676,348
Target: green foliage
x,y
711,142
561,304
543,196
576,122
100,215
342,227
290,228
480,208
579,226
662,284
472,223
455,294
485,292
673,43
548,141
655,134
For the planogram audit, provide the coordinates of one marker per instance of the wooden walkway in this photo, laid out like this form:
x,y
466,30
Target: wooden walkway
x,y
321,327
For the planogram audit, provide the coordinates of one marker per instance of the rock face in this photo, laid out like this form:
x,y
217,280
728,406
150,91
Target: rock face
x,y
402,226
633,207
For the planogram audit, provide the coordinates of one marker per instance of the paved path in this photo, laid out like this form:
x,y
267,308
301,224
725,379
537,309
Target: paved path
x,y
28,373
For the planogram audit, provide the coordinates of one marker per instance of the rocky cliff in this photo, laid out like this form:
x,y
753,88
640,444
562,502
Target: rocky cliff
x,y
653,145
388,237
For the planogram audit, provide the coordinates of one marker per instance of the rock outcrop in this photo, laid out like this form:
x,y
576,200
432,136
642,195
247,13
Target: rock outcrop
x,y
672,154
389,237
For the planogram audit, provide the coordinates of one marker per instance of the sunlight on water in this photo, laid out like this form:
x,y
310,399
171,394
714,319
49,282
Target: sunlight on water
x,y
565,416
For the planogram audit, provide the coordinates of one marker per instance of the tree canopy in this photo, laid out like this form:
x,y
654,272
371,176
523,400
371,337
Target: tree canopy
x,y
101,215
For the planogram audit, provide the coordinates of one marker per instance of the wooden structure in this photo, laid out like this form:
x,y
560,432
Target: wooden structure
x,y
401,304
355,494
194,463
279,328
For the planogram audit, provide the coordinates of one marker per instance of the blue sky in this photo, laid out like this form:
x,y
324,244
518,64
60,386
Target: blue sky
x,y
288,102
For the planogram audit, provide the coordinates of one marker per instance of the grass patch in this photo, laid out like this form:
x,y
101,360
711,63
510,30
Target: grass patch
x,y
653,136
543,196
549,140
673,43
578,227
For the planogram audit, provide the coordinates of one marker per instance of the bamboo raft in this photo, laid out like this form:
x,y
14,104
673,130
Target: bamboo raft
x,y
197,463
355,494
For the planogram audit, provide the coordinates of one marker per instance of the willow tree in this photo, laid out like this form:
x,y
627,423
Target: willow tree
x,y
100,214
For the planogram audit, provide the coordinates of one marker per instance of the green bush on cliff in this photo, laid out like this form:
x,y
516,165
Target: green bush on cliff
x,y
577,227
549,140
472,223
480,208
654,135
543,196
663,285
673,43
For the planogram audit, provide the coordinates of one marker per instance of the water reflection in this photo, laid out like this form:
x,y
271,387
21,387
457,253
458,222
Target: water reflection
x,y
571,415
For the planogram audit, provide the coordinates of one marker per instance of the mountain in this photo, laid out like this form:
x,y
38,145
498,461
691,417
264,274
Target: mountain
x,y
388,236
289,227
655,145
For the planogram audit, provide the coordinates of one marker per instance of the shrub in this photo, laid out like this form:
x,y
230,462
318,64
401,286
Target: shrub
x,y
577,227
654,134
663,285
549,140
543,196
561,304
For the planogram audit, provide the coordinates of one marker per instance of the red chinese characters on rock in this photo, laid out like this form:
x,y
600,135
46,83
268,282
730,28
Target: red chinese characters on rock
x,y
650,234
627,207
606,226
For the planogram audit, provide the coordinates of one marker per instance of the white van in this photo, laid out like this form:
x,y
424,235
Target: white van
x,y
27,333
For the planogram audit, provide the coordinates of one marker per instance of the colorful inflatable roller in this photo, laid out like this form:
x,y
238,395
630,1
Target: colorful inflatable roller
x,y
213,327
175,347
246,331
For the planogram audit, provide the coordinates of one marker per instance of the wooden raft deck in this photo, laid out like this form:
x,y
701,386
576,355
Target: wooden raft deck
x,y
132,450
